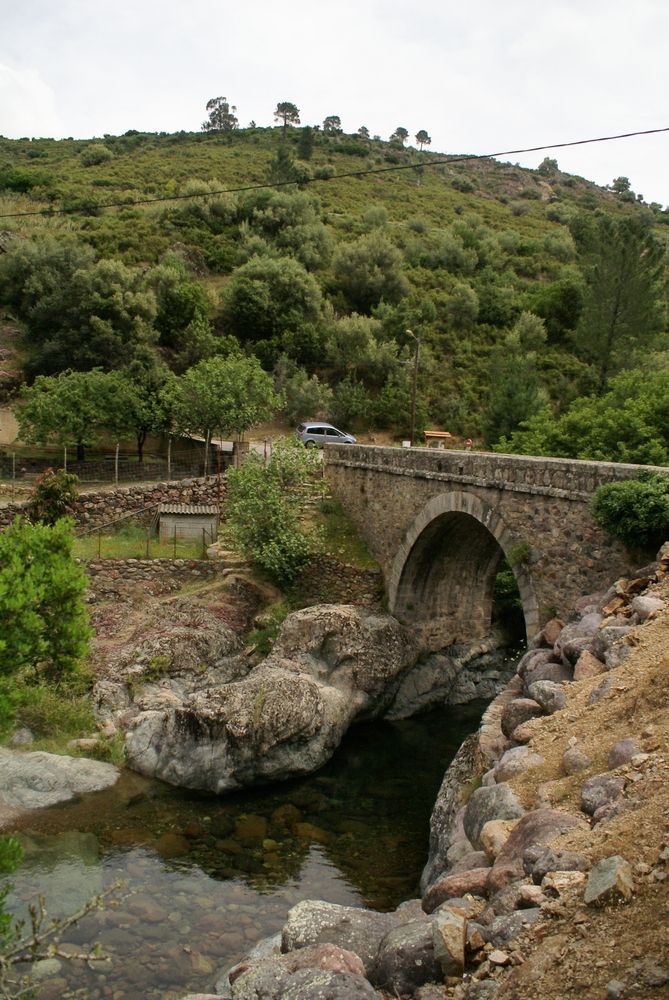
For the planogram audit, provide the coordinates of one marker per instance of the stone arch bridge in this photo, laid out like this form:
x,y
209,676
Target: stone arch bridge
x,y
440,522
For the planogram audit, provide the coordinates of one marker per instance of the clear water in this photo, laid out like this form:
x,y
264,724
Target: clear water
x,y
205,878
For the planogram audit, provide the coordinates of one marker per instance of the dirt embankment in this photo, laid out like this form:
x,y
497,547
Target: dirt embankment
x,y
619,949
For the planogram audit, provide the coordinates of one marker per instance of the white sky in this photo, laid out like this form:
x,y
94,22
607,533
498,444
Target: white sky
x,y
480,77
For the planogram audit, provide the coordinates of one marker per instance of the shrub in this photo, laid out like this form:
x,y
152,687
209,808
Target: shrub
x,y
636,511
94,154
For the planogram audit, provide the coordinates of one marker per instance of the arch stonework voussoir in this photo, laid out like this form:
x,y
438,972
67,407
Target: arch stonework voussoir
x,y
470,536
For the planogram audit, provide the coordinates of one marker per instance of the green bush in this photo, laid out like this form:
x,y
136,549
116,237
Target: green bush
x,y
636,511
94,154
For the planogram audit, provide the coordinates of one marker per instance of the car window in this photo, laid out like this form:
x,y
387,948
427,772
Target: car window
x,y
334,433
317,430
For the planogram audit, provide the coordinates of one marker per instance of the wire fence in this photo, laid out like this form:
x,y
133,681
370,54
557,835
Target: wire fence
x,y
126,538
115,467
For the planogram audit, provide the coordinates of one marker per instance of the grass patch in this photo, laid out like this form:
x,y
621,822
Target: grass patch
x,y
55,716
270,622
339,537
132,542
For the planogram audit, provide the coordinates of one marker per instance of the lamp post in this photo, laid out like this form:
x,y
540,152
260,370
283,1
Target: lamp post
x,y
414,385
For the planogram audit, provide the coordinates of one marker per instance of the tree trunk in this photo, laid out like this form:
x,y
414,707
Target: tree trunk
x,y
81,454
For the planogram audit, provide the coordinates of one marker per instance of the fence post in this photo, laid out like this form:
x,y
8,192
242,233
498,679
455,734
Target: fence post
x,y
13,465
169,460
116,464
175,541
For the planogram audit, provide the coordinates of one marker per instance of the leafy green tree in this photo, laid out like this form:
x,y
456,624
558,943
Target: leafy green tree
x,y
53,497
355,345
400,135
547,167
515,389
624,310
291,221
620,185
263,505
392,407
270,298
629,423
352,405
183,314
305,144
221,398
306,396
422,138
66,409
368,271
287,113
636,511
363,132
222,116
332,125
79,313
43,619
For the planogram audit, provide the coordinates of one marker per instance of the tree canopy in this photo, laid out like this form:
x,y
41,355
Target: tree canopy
x,y
222,116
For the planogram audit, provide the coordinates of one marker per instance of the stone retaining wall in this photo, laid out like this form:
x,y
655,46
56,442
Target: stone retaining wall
x,y
95,508
158,576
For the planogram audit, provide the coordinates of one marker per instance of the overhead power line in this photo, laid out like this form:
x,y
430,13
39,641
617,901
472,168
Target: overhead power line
x,y
443,161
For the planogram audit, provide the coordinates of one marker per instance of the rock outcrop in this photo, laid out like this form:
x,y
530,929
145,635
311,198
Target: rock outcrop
x,y
330,666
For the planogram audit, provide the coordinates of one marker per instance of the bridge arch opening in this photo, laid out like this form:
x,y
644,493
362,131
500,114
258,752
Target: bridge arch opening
x,y
443,576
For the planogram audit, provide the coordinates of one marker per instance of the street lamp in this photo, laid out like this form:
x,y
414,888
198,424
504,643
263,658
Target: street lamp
x,y
414,336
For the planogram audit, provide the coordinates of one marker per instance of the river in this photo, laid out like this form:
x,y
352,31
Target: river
x,y
204,878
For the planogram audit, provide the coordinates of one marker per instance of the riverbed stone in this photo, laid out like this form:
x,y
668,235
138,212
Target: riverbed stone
x,y
549,695
473,859
449,932
537,827
587,665
538,861
316,984
575,760
474,881
496,802
645,605
406,958
516,761
357,930
37,779
548,671
518,711
495,834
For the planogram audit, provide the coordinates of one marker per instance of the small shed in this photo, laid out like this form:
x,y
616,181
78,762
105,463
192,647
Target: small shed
x,y
188,521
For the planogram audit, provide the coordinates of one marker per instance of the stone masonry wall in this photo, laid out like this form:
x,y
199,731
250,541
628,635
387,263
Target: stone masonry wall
x,y
157,576
101,506
540,502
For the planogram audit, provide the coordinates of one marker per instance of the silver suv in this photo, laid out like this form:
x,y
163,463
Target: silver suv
x,y
315,434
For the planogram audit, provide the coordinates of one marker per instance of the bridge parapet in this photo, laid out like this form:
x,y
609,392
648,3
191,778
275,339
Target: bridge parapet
x,y
518,473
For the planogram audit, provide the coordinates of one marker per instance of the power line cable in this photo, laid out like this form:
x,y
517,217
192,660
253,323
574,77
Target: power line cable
x,y
351,173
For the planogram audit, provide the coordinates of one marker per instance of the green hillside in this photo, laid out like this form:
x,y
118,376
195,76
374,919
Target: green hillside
x,y
493,266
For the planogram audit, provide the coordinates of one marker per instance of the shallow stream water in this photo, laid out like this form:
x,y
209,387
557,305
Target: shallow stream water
x,y
205,878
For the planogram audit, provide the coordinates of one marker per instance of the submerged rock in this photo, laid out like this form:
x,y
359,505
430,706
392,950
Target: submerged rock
x,y
37,779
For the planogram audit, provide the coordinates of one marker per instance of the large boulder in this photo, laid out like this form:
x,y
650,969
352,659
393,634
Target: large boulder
x,y
538,827
360,931
38,779
330,665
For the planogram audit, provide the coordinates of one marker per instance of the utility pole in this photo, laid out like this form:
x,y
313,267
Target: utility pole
x,y
415,385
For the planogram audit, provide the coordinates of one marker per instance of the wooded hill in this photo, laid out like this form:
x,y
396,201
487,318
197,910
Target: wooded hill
x,y
528,289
